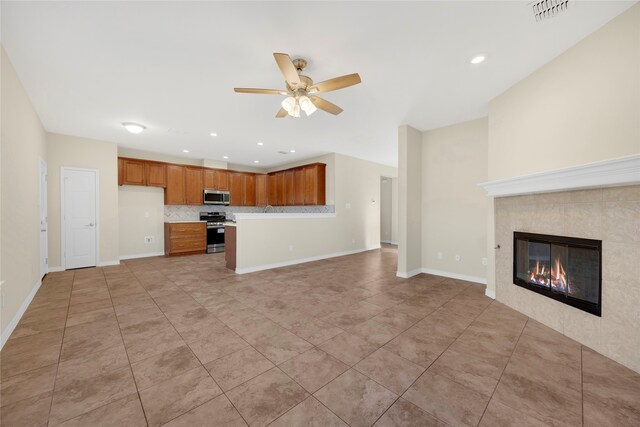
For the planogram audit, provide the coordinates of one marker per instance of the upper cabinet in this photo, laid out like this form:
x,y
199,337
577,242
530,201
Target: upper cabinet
x,y
216,179
156,174
133,172
184,184
175,192
194,186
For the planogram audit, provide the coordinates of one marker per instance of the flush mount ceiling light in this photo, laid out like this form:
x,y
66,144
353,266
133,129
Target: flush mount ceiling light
x,y
478,59
300,91
133,127
261,143
213,134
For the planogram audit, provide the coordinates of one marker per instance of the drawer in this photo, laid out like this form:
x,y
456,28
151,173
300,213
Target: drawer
x,y
186,245
187,228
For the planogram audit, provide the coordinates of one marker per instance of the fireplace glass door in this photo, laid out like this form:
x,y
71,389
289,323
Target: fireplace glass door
x,y
566,269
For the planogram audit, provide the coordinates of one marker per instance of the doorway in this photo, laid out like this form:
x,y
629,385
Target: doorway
x,y
388,221
79,191
44,241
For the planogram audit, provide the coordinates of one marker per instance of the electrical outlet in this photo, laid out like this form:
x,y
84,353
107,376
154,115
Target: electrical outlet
x,y
347,206
146,214
439,255
458,258
149,239
484,261
353,241
290,248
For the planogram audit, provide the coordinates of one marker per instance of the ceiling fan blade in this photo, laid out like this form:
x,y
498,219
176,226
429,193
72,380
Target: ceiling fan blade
x,y
325,105
288,69
336,83
281,113
260,91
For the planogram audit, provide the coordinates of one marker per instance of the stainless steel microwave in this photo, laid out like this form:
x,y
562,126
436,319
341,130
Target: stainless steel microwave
x,y
216,197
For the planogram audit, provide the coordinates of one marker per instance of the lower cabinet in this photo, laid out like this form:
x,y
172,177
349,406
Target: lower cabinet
x,y
185,238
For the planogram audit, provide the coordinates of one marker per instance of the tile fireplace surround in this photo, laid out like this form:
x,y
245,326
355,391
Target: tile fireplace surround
x,y
609,214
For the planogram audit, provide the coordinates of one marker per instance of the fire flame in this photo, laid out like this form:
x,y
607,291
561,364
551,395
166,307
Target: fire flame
x,y
557,279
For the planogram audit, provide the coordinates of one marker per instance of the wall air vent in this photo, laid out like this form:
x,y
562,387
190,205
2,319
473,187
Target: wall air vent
x,y
546,9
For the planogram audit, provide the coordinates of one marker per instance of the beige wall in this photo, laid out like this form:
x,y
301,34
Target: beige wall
x,y
611,215
582,107
159,157
454,162
357,184
394,210
72,151
140,214
22,144
409,201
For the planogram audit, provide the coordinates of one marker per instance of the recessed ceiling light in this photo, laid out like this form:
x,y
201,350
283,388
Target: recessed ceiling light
x,y
292,151
133,127
225,157
261,143
256,161
478,59
185,151
213,134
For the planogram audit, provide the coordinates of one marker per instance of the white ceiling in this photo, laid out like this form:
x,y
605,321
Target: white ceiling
x,y
172,65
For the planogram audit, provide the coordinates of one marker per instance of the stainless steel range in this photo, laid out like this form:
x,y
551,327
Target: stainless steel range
x,y
215,230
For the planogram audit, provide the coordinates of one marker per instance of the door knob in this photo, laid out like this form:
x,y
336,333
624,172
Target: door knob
x,y
90,224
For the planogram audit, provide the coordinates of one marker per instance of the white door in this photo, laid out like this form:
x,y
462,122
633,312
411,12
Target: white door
x,y
79,217
44,250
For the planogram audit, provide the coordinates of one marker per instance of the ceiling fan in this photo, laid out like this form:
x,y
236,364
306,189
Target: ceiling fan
x,y
300,92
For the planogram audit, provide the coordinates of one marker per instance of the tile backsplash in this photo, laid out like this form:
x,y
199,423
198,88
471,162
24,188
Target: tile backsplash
x,y
192,213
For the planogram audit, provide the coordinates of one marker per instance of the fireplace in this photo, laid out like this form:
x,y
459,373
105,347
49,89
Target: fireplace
x,y
566,269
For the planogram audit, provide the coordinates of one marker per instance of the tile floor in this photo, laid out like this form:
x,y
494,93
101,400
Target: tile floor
x,y
184,342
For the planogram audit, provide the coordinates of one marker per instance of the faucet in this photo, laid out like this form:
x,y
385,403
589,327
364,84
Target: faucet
x,y
266,208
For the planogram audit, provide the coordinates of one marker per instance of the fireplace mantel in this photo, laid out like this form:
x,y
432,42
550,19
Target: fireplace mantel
x,y
620,171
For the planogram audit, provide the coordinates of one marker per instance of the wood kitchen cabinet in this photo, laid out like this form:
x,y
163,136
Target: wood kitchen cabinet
x,y
298,186
249,190
133,172
276,190
215,179
289,198
120,171
185,238
175,191
194,186
262,193
236,184
314,184
156,174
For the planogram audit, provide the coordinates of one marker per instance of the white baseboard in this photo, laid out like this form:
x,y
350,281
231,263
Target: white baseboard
x,y
390,242
144,255
55,269
300,260
407,274
474,279
490,293
108,263
14,322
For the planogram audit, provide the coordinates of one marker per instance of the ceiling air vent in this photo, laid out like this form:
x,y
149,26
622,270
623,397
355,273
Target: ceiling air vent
x,y
283,152
546,9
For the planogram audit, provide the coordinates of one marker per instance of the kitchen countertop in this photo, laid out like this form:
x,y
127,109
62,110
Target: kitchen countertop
x,y
179,222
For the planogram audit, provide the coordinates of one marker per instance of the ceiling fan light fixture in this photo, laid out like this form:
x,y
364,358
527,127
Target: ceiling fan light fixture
x,y
295,112
310,109
288,103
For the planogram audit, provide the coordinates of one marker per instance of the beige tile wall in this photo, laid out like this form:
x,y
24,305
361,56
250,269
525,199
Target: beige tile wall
x,y
611,215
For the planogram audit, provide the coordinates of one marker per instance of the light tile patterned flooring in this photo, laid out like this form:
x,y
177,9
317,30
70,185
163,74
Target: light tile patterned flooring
x,y
182,341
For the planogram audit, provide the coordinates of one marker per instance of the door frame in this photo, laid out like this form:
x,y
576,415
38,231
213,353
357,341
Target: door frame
x,y
63,234
42,167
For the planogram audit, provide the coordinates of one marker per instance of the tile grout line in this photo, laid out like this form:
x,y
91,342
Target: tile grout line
x,y
434,361
64,330
504,369
135,383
